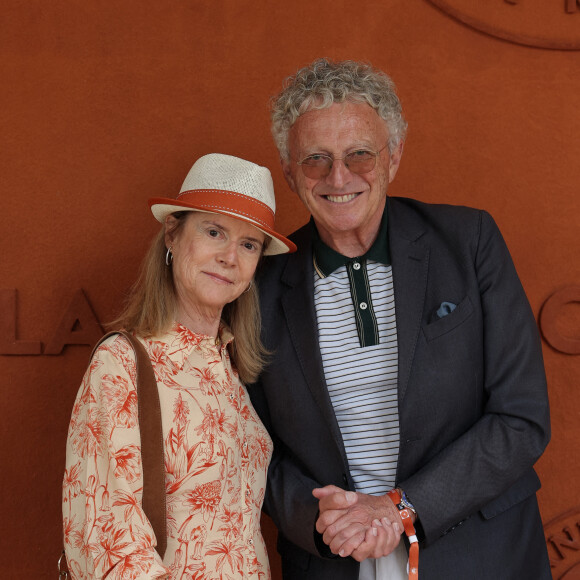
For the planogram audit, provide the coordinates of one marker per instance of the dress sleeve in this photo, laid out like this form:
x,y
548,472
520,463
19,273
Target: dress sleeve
x,y
106,532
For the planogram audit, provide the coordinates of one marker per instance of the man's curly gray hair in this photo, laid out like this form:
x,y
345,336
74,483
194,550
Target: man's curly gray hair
x,y
323,83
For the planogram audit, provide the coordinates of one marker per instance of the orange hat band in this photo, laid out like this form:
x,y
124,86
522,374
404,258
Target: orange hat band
x,y
229,202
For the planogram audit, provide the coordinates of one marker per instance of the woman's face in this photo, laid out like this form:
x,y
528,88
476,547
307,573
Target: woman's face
x,y
214,259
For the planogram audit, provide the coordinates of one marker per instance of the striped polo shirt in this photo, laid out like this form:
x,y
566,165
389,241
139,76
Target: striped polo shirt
x,y
357,331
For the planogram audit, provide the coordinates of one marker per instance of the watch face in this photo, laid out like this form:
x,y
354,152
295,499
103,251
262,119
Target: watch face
x,y
405,501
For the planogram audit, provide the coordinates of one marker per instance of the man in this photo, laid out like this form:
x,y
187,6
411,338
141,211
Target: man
x,y
405,355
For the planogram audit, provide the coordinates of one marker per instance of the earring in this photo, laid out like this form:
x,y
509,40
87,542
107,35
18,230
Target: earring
x,y
168,257
248,288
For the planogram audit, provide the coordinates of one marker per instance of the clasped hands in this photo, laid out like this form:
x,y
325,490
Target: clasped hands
x,y
356,524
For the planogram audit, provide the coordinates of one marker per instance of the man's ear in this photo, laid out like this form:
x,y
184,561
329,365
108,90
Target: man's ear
x,y
286,169
395,160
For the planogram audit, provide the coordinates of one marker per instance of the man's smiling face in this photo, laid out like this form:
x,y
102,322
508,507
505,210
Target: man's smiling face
x,y
342,203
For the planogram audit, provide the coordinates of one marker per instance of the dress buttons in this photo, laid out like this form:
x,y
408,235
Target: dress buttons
x,y
250,541
356,266
363,306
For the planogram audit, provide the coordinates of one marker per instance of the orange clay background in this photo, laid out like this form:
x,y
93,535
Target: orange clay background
x,y
106,104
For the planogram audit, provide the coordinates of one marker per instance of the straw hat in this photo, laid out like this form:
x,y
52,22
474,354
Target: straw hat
x,y
231,186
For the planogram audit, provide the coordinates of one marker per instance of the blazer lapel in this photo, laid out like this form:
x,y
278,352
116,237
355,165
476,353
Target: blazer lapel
x,y
300,313
410,261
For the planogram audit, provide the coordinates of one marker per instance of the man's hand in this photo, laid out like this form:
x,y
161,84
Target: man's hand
x,y
358,525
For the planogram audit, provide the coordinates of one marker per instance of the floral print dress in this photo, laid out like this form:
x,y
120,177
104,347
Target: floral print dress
x,y
216,456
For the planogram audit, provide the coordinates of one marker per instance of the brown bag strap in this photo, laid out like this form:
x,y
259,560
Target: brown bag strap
x,y
152,455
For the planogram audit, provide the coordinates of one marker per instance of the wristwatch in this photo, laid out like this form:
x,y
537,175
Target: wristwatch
x,y
405,503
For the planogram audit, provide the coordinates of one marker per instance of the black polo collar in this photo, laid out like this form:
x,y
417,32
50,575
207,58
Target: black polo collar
x,y
327,260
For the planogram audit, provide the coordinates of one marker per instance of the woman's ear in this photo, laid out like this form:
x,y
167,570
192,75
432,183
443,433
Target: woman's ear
x,y
170,227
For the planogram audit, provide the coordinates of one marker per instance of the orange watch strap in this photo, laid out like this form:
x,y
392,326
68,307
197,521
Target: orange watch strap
x,y
395,497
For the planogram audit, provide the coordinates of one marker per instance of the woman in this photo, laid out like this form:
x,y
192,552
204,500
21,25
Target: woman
x,y
194,293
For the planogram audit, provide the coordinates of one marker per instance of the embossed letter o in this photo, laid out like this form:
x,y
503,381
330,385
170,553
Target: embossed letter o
x,y
549,317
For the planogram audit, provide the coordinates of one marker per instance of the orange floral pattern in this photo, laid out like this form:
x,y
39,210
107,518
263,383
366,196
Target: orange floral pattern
x,y
217,453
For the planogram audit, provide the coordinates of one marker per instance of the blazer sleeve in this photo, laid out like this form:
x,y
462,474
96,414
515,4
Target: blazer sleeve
x,y
288,500
501,446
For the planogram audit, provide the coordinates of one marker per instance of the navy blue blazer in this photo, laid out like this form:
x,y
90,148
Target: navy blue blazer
x,y
473,405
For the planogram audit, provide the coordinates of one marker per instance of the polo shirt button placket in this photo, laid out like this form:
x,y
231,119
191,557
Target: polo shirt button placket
x,y
363,305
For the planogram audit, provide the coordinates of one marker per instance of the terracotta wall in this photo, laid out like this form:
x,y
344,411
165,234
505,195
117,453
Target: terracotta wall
x,y
106,104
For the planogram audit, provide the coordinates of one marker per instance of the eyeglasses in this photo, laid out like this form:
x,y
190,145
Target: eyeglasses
x,y
318,166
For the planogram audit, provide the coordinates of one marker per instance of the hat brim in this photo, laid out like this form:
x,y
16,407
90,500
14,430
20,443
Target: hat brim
x,y
162,207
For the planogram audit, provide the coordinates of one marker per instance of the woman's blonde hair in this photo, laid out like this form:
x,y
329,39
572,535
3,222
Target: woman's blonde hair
x,y
151,309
